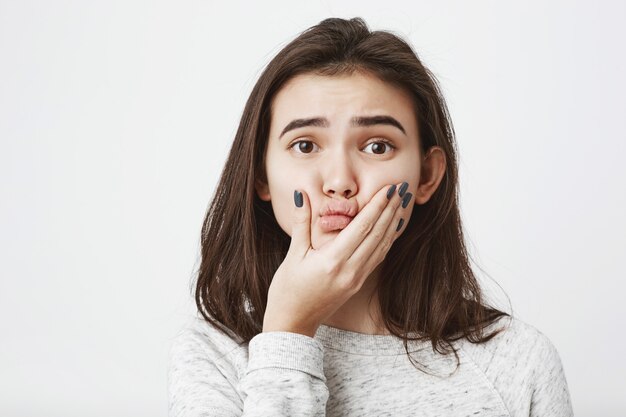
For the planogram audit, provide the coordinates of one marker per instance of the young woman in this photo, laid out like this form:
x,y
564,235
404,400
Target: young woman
x,y
334,278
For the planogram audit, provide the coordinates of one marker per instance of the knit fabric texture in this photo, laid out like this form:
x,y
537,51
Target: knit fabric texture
x,y
344,373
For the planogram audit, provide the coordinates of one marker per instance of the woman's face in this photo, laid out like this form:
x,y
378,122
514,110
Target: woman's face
x,y
336,158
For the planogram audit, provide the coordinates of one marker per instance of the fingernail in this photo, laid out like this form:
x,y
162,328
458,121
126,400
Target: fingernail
x,y
297,198
403,188
400,223
406,199
390,191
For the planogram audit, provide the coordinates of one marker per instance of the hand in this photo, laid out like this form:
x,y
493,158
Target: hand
x,y
310,285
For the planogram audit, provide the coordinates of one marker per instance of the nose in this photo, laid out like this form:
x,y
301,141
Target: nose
x,y
338,176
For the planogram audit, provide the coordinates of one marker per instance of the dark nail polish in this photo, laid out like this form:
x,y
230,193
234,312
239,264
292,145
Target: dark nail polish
x,y
390,191
403,188
297,198
406,199
400,223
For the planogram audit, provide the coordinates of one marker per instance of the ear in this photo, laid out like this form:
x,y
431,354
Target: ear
x,y
262,190
432,172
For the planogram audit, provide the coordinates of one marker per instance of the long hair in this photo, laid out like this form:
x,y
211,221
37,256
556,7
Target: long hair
x,y
429,287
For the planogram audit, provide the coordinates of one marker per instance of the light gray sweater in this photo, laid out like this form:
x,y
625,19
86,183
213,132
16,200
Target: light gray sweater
x,y
343,373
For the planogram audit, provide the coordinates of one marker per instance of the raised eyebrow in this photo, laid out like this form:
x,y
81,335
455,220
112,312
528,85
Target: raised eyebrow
x,y
356,121
298,123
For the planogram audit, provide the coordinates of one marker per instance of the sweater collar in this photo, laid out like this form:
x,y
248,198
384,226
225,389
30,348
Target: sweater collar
x,y
366,344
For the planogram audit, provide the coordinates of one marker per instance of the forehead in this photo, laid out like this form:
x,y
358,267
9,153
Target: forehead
x,y
339,98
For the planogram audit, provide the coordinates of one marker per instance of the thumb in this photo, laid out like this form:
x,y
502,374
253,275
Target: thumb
x,y
301,224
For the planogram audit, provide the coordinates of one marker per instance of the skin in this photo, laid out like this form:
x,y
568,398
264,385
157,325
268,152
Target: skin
x,y
340,162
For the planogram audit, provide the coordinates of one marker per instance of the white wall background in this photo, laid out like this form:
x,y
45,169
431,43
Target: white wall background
x,y
115,120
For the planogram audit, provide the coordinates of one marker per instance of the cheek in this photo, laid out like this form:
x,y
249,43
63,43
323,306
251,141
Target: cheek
x,y
406,169
391,174
282,185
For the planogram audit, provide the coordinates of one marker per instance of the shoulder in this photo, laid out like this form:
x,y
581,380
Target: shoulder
x,y
519,345
200,341
204,369
522,364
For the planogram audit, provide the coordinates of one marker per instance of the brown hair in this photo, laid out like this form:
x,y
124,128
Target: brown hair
x,y
429,286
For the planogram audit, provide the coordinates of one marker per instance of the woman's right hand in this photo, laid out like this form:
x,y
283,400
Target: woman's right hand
x,y
310,285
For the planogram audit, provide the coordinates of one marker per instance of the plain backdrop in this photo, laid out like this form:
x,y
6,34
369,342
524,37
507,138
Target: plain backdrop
x,y
116,118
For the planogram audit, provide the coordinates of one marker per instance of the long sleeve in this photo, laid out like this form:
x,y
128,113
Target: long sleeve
x,y
550,397
284,376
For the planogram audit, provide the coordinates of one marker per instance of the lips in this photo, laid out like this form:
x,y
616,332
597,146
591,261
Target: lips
x,y
334,222
337,214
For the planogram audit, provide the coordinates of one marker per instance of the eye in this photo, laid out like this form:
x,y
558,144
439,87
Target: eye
x,y
303,146
379,148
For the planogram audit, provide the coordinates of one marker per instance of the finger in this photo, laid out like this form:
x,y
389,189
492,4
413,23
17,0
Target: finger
x,y
301,225
351,236
377,237
399,221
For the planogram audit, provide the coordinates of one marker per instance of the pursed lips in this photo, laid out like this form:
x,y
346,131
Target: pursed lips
x,y
332,222
337,214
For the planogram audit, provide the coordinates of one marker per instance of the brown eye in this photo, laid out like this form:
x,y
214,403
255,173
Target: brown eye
x,y
378,148
303,146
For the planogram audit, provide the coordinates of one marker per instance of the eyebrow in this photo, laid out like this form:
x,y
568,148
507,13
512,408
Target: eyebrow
x,y
357,121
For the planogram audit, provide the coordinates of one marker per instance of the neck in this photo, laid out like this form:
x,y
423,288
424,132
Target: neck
x,y
361,313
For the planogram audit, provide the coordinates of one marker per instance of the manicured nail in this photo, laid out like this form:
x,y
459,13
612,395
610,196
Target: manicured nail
x,y
400,223
406,199
403,188
390,191
297,198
